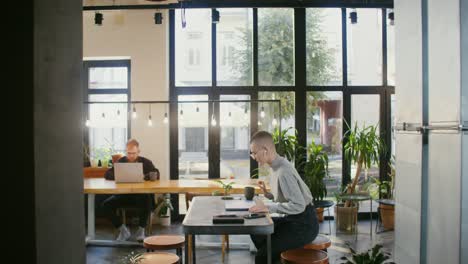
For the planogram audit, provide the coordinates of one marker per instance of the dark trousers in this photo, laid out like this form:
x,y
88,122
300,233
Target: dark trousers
x,y
143,202
292,231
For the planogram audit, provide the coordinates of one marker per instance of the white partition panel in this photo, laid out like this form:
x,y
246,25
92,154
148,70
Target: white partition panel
x,y
464,190
443,214
408,193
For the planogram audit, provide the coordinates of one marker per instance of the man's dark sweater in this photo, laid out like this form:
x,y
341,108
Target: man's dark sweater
x,y
131,200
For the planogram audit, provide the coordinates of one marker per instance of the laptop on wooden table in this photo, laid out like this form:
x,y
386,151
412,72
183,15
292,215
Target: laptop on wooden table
x,y
128,172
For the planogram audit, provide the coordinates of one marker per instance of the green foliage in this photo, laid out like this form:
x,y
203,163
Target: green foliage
x,y
226,186
165,204
315,170
371,256
363,145
132,258
286,145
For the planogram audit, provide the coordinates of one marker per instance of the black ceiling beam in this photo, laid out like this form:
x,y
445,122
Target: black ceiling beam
x,y
252,3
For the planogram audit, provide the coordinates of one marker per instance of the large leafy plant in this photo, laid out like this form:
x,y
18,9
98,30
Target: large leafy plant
x,y
286,144
227,187
165,204
371,256
363,147
315,171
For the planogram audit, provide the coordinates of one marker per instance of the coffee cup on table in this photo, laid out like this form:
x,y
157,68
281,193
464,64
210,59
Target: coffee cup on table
x,y
249,193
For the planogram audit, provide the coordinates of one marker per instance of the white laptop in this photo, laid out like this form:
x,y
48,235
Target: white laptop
x,y
238,205
128,172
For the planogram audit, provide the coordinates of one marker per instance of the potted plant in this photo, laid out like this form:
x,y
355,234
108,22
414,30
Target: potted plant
x,y
386,203
315,171
132,258
364,148
227,189
164,204
371,256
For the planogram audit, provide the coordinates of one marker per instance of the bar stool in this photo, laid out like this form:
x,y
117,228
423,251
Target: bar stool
x,y
304,256
159,258
165,242
321,242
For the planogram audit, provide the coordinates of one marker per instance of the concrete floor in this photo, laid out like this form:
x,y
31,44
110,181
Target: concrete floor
x,y
210,255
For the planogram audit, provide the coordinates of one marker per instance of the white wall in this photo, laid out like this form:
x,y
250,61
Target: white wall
x,y
132,33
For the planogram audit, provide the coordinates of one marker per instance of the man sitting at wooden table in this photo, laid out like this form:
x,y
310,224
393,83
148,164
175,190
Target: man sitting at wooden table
x,y
140,201
291,197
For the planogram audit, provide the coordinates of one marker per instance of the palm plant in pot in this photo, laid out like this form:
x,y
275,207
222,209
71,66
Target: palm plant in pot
x,y
386,203
164,204
363,147
315,171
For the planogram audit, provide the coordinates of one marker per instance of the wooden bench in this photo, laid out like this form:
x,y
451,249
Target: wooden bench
x,y
165,242
321,242
304,256
159,258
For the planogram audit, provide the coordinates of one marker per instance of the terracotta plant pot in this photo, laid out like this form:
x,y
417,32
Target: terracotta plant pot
x,y
319,211
346,217
387,215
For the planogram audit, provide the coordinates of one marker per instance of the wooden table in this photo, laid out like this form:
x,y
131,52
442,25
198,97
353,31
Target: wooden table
x,y
93,186
198,221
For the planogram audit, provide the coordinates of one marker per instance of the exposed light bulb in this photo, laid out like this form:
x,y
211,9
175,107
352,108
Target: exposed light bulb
x,y
259,123
262,113
103,115
134,113
150,122
165,120
181,114
198,109
213,120
274,122
87,123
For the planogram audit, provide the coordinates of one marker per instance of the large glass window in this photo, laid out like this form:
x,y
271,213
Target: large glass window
x,y
365,47
193,47
323,43
108,78
276,46
325,127
235,137
390,52
270,119
193,137
234,47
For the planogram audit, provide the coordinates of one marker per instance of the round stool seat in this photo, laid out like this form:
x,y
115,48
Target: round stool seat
x,y
304,256
321,242
159,258
164,242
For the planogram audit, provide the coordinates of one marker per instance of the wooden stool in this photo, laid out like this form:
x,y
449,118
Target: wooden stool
x,y
304,256
159,258
320,243
165,242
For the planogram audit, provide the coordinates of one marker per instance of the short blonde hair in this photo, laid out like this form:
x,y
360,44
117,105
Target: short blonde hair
x,y
133,142
263,137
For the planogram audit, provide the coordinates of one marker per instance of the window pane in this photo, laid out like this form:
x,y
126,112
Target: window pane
x,y
276,46
323,43
234,47
235,137
107,126
365,47
193,137
390,52
325,127
393,121
272,112
193,48
108,78
365,111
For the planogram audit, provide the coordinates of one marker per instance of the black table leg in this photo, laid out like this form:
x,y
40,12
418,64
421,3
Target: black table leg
x,y
269,249
187,261
194,260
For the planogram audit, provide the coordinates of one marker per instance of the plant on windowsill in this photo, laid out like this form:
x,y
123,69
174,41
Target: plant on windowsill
x,y
227,187
164,206
132,258
315,171
371,256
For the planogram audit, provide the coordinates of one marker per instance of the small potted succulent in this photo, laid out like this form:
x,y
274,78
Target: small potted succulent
x,y
227,187
371,256
164,204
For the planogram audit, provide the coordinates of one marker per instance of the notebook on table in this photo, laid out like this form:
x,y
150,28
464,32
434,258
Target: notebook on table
x,y
238,205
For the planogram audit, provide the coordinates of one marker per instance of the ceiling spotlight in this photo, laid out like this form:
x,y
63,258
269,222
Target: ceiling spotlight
x,y
215,16
391,17
98,17
353,16
158,18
